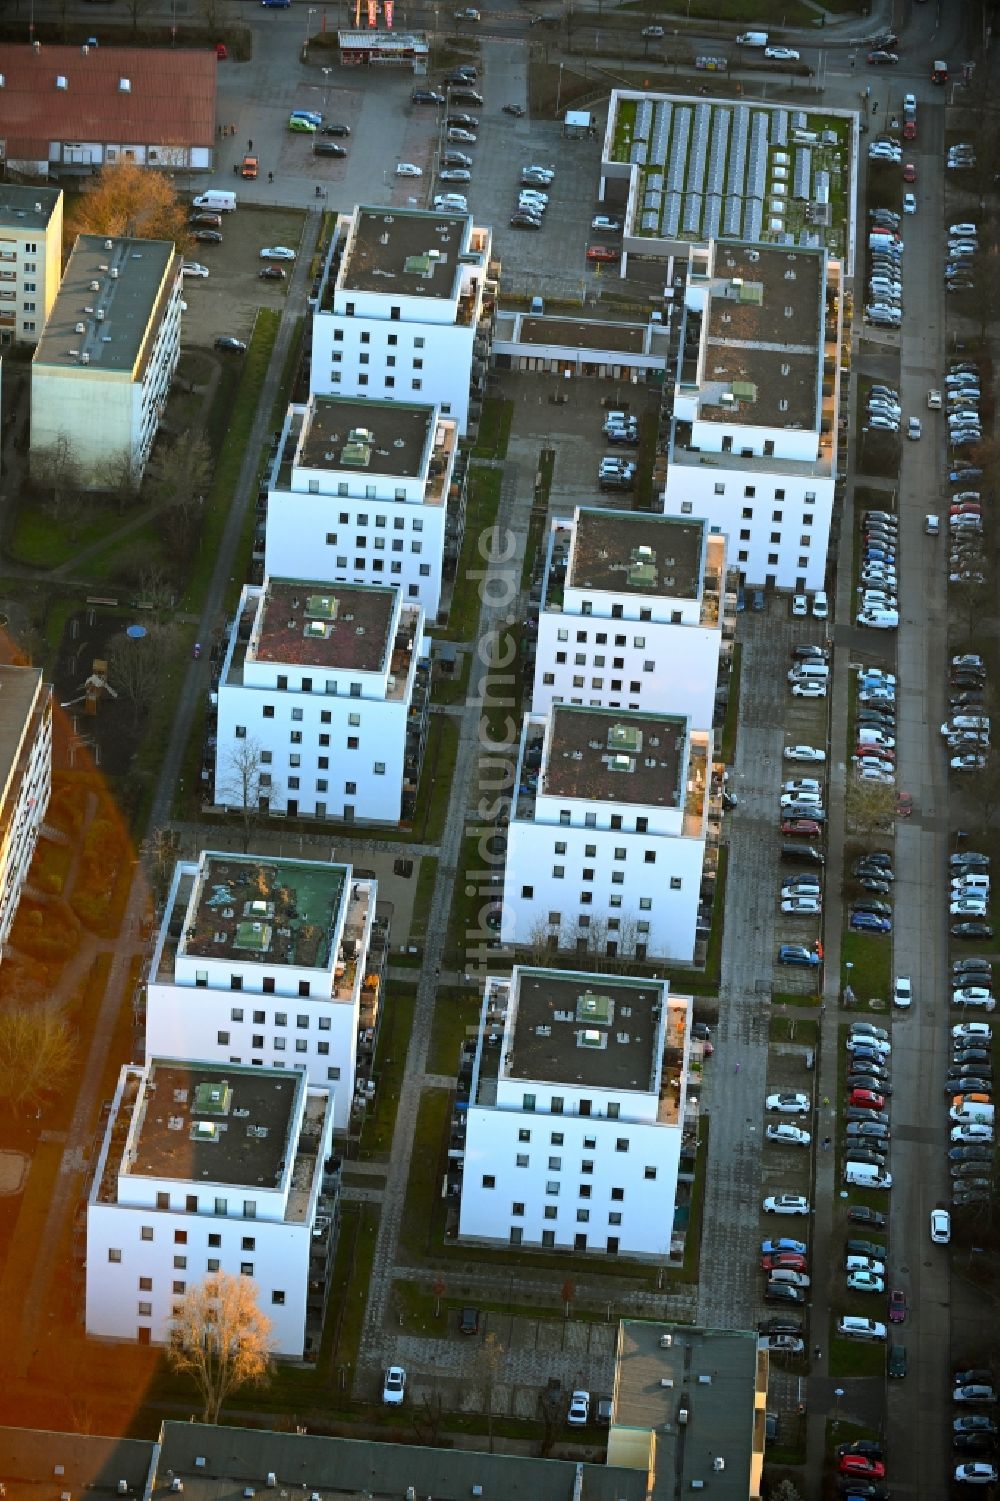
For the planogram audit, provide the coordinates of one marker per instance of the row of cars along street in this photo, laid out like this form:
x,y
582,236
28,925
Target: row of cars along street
x,y
878,603
969,1082
885,256
533,197
617,471
966,734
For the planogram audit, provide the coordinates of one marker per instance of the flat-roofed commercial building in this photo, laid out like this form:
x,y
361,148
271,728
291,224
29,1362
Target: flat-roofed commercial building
x,y
364,492
577,1112
26,779
406,310
635,614
31,232
101,373
607,837
323,702
753,406
263,961
209,1168
691,1405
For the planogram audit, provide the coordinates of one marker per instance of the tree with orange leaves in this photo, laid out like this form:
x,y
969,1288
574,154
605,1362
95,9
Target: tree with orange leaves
x,y
221,1339
128,200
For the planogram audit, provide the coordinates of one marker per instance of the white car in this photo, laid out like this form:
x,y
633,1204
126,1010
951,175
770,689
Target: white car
x,y
972,1131
968,906
277,253
902,991
961,231
809,690
864,1264
914,430
602,221
791,1135
786,1204
802,906
805,798
940,1227
800,605
865,1282
909,203
965,1031
867,1040
579,1409
968,762
394,1386
803,753
976,1472
452,203
781,54
974,995
532,171
789,1104
192,268
408,169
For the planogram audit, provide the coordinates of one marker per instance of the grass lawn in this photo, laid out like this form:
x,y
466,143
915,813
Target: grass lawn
x,y
426,876
713,957
456,1017
494,428
855,1357
871,956
794,1029
237,424
463,920
40,541
390,1060
434,792
453,689
481,511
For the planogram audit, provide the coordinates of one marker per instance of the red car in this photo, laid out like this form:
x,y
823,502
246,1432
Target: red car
x,y
603,253
909,130
909,173
807,826
880,752
967,508
792,1261
866,1099
897,1306
859,1464
904,804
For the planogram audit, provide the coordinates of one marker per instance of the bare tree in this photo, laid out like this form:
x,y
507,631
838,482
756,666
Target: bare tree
x,y
785,1491
987,279
984,790
870,805
490,1362
56,470
553,1409
156,589
568,1294
120,476
37,1055
245,786
428,1419
971,601
162,849
221,1339
179,485
136,665
439,1292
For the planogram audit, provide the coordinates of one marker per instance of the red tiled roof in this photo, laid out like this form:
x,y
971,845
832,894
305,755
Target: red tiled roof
x,y
171,101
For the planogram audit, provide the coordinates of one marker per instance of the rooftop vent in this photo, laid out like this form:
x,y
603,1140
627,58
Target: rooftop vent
x,y
62,81
124,85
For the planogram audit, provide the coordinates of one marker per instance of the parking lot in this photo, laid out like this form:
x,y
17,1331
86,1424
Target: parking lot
x,y
234,280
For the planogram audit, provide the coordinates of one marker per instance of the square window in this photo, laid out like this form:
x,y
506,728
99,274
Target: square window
x,y
649,1173
675,883
523,1134
551,1211
521,1159
517,1208
113,1254
489,1180
617,1195
278,1298
552,1188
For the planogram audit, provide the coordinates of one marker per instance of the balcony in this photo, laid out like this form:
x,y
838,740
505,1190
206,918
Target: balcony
x,y
529,772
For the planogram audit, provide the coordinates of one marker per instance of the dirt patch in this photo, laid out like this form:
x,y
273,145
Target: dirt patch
x,y
13,1167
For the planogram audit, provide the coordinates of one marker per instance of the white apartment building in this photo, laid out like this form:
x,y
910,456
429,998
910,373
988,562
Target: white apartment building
x,y
322,702
405,311
25,777
607,835
101,373
361,493
261,962
210,1168
753,435
577,1110
31,232
632,614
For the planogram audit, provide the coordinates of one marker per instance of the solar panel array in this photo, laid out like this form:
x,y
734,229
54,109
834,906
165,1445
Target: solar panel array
x,y
707,168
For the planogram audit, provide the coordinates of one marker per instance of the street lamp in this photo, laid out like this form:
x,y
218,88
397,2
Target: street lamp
x,y
838,1392
326,90
309,14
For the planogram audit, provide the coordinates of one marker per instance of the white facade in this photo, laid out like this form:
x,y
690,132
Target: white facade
x,y
26,772
577,1111
360,494
275,1007
31,232
753,445
319,710
101,373
408,317
183,1189
606,842
632,614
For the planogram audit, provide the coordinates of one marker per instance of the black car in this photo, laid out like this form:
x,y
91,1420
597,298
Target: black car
x,y
869,1447
872,1131
233,346
207,237
973,1422
335,130
877,857
973,1058
328,148
272,273
855,1152
782,1292
968,1084
854,1486
959,966
865,1248
206,221
860,1214
426,96
858,1114
974,931
811,653
974,1443
961,1171
524,221
468,1321
869,1078
972,1152
467,122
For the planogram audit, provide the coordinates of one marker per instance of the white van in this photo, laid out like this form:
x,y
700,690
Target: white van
x,y
853,1327
809,672
866,1175
971,882
217,202
752,39
820,608
932,526
966,1112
